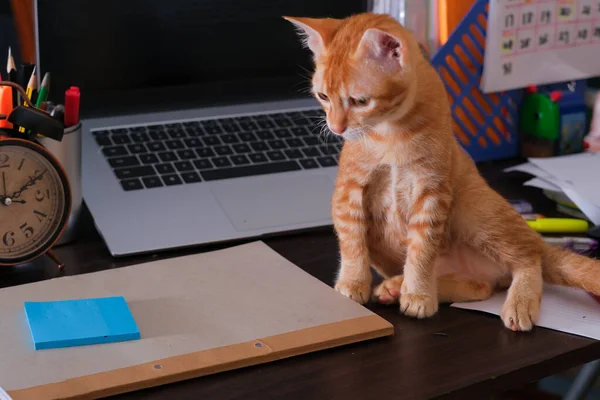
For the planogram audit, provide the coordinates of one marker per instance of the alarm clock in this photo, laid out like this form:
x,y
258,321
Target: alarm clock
x,y
35,201
35,198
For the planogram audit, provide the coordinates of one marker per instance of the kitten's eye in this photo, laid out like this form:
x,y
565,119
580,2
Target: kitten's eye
x,y
323,97
362,101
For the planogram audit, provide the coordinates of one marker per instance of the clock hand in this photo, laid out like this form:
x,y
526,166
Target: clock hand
x,y
3,198
32,181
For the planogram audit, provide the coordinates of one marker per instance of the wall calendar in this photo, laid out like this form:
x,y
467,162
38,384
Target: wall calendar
x,y
536,42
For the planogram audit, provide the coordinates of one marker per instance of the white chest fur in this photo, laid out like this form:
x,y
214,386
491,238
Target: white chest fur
x,y
390,194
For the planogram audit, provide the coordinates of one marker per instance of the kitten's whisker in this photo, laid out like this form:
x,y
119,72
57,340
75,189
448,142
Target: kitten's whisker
x,y
327,131
326,134
304,90
306,70
323,133
319,125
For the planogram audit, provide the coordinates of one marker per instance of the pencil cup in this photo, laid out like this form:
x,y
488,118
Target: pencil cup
x,y
68,154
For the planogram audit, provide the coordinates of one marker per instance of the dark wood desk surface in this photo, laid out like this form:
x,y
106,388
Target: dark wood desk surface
x,y
457,354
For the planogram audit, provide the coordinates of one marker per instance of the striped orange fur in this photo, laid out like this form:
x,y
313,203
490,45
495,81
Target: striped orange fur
x,y
409,202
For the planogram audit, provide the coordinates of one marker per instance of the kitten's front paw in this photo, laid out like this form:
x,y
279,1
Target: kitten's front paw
x,y
520,313
359,292
418,305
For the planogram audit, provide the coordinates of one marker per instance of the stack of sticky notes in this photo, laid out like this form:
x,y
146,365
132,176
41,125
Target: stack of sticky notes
x,y
66,323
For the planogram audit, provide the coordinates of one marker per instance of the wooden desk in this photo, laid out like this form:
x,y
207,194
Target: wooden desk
x,y
457,354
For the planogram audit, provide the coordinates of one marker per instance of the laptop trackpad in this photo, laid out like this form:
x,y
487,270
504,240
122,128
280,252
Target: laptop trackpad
x,y
265,203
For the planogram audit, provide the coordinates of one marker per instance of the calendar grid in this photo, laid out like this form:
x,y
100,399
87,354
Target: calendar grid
x,y
561,35
555,31
537,12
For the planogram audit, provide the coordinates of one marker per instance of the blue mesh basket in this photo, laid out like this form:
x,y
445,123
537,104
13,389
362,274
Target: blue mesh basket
x,y
485,124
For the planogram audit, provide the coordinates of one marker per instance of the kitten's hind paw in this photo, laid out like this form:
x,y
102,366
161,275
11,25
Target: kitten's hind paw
x,y
359,292
388,291
418,305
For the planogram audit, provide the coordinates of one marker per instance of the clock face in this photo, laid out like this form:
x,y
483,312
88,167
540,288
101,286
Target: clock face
x,y
34,202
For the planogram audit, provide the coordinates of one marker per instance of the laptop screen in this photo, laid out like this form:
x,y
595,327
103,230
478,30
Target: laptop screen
x,y
131,56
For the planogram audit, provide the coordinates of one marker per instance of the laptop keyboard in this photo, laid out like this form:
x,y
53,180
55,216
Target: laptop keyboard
x,y
152,156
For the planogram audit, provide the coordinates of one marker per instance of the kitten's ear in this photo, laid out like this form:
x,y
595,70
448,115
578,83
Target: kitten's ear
x,y
386,49
316,33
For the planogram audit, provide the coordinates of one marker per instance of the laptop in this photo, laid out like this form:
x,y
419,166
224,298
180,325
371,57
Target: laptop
x,y
198,126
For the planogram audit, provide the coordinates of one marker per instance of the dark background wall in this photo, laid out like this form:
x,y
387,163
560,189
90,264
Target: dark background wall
x,y
8,36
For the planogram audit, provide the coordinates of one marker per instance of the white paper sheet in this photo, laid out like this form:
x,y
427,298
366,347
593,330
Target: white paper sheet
x,y
590,210
542,184
580,170
572,175
563,309
4,395
530,169
534,42
570,167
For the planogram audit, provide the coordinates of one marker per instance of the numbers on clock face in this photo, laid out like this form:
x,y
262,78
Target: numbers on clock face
x,y
32,202
41,196
27,230
4,158
8,239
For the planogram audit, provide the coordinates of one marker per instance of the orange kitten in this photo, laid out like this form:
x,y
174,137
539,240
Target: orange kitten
x,y
409,201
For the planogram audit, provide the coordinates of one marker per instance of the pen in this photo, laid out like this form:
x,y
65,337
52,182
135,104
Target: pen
x,y
559,225
72,98
43,92
11,71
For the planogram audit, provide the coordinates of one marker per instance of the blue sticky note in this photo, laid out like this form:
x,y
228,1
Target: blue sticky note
x,y
66,323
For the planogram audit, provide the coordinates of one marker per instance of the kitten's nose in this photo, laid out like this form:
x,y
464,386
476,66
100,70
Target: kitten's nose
x,y
339,129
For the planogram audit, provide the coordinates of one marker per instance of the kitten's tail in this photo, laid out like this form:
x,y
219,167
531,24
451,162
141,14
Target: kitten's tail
x,y
564,267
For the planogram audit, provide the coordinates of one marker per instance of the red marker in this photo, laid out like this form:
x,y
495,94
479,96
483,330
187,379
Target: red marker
x,y
72,97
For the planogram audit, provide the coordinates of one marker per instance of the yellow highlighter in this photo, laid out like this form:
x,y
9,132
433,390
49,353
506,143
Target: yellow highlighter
x,y
559,225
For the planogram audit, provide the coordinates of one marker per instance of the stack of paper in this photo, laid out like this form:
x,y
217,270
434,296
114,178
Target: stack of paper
x,y
575,176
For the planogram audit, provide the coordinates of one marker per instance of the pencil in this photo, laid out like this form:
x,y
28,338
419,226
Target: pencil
x,y
11,75
30,91
43,92
25,72
31,86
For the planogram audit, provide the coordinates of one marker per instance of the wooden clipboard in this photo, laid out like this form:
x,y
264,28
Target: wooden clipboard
x,y
273,310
